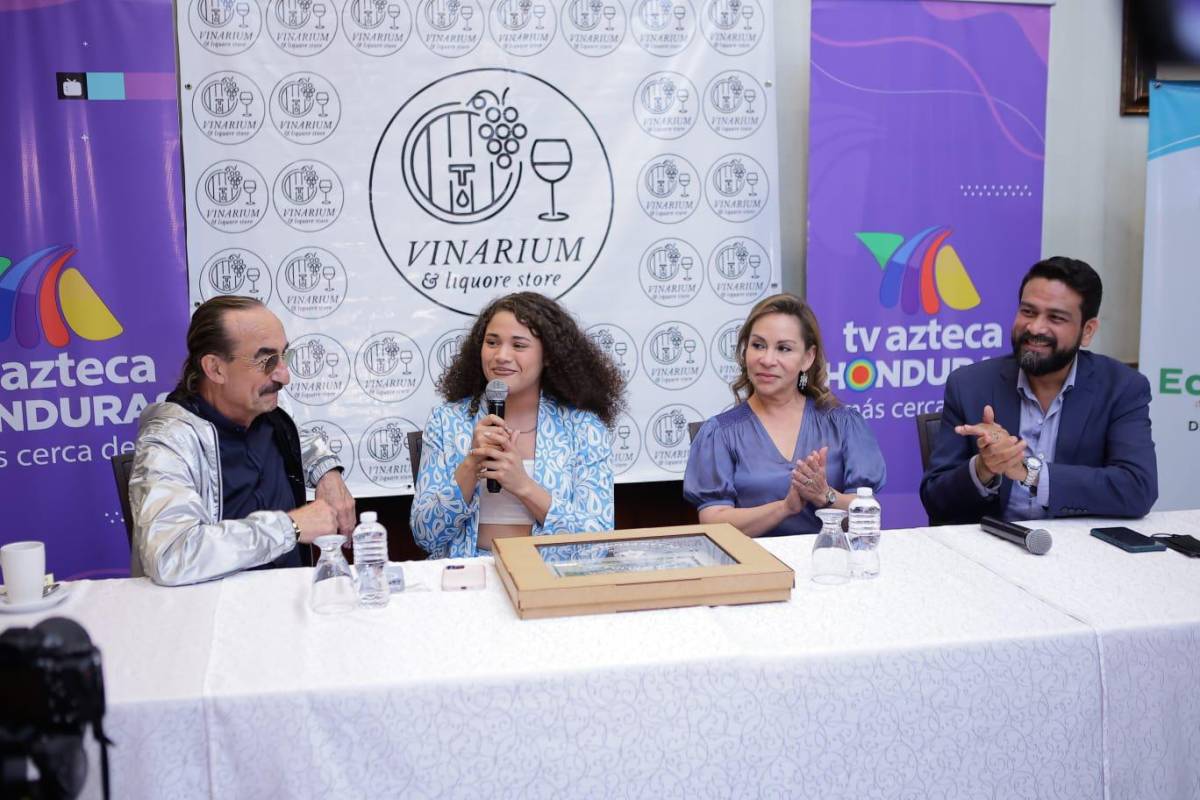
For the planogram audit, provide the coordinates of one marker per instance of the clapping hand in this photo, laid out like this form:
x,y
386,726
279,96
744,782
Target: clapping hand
x,y
1000,453
808,478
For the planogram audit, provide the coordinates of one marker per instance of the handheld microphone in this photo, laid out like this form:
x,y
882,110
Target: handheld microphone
x,y
1035,540
496,393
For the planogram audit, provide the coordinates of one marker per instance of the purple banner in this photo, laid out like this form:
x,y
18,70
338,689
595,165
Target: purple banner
x,y
925,202
93,279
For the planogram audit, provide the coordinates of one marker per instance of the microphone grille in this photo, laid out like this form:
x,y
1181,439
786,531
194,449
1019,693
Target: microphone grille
x,y
1038,541
496,391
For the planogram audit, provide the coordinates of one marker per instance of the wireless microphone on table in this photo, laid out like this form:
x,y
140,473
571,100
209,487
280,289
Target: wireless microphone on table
x,y
496,393
1035,540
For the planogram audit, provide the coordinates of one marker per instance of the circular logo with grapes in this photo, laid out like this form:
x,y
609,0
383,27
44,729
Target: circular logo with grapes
x,y
235,271
506,185
319,367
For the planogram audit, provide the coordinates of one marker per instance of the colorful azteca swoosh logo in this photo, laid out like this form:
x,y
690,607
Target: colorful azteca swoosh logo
x,y
42,298
923,272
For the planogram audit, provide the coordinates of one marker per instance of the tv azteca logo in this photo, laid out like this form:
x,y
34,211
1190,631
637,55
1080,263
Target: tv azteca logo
x,y
497,198
41,298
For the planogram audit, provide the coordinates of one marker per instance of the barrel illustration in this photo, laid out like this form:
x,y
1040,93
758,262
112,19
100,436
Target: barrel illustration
x,y
215,12
442,14
658,95
448,349
732,260
727,344
513,14
308,359
368,14
667,345
380,358
669,428
663,262
295,98
293,13
726,94
387,443
656,14
661,178
224,186
586,14
729,178
227,274
220,98
299,185
303,272
724,13
459,160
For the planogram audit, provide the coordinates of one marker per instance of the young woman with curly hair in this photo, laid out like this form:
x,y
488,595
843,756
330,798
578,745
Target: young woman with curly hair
x,y
551,451
787,447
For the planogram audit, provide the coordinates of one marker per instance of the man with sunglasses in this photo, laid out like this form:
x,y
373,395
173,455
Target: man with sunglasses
x,y
220,471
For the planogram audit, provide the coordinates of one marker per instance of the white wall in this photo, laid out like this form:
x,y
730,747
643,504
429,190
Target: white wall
x,y
1095,158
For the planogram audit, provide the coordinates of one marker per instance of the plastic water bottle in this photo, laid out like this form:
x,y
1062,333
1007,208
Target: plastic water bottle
x,y
370,558
865,519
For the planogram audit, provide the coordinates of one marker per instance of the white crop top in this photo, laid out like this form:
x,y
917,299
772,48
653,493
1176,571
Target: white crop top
x,y
503,508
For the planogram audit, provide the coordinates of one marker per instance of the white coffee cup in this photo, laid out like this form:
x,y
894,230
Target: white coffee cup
x,y
24,566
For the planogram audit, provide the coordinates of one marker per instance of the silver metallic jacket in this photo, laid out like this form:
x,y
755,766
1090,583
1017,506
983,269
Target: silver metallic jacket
x,y
175,496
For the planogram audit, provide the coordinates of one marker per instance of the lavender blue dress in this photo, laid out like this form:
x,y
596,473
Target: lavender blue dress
x,y
733,461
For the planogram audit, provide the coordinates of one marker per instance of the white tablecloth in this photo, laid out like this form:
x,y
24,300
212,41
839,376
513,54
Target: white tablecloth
x,y
969,669
1145,609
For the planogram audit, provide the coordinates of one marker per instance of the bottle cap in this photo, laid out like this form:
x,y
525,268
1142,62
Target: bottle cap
x,y
368,516
864,491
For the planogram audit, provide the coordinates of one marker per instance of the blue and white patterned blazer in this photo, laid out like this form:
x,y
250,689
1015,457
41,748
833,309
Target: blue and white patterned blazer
x,y
571,461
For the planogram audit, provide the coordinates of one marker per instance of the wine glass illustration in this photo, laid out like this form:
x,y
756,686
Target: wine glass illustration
x,y
623,432
686,262
684,179
326,186
406,357
322,99
747,14
247,98
551,160
318,12
243,10
754,262
251,186
750,95
689,347
393,11
329,273
683,95
621,348
610,13
680,12
335,445
467,12
254,273
539,12
752,179
332,361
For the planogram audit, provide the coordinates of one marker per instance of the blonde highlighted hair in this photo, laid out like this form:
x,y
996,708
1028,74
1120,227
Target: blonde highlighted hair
x,y
817,388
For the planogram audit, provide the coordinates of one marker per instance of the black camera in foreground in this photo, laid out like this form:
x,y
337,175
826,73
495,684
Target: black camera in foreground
x,y
51,689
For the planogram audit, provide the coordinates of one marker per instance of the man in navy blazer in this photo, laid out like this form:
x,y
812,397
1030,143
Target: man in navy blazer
x,y
1049,431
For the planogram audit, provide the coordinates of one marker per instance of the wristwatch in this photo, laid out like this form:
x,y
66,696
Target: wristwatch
x,y
1033,468
830,497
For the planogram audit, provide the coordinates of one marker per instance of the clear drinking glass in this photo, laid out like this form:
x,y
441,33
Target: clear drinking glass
x,y
831,550
333,586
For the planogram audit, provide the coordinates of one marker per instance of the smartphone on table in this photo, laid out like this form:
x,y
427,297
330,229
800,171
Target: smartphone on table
x,y
1128,539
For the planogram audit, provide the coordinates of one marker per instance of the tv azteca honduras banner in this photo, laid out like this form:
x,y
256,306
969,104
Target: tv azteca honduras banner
x,y
925,202
93,304
1170,328
377,170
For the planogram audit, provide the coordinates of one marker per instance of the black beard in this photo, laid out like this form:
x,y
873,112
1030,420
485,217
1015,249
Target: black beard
x,y
1036,365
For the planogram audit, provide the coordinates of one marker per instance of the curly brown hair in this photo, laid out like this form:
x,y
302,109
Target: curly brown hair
x,y
575,372
817,389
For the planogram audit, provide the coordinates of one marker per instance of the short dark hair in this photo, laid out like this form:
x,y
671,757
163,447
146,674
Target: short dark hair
x,y
207,334
1076,274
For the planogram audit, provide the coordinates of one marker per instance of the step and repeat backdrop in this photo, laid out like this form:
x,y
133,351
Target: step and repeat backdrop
x,y
377,170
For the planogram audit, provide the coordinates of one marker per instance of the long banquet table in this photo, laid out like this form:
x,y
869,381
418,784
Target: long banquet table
x,y
968,669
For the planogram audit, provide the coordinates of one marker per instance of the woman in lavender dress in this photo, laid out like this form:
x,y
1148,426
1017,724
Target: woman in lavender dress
x,y
788,446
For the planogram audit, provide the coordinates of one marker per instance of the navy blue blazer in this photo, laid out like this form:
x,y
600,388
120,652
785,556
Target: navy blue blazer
x,y
1104,463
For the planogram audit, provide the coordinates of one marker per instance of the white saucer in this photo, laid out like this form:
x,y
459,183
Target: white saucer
x,y
56,596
